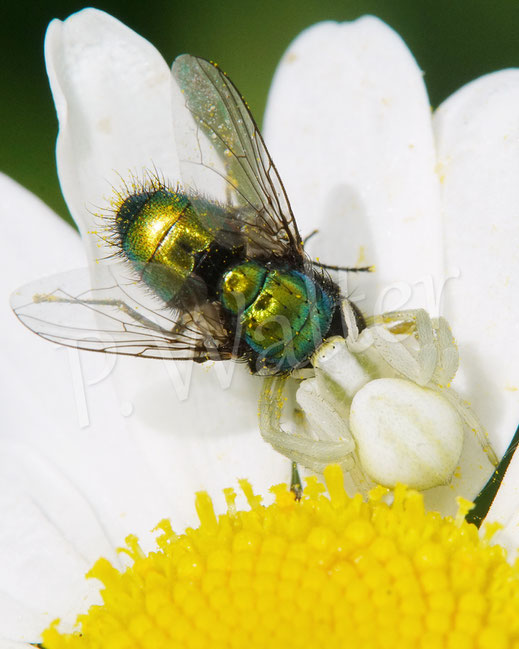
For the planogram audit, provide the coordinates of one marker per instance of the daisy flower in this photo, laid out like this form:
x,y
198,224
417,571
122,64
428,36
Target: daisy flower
x,y
97,449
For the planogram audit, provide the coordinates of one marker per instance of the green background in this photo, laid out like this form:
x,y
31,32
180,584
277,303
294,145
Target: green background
x,y
453,41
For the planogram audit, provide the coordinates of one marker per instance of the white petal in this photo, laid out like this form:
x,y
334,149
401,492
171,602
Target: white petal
x,y
6,643
349,127
477,133
34,238
50,538
197,428
70,465
37,563
114,98
112,91
55,401
65,425
35,243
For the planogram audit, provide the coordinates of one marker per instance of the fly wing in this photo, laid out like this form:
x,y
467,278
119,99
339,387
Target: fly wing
x,y
117,317
223,139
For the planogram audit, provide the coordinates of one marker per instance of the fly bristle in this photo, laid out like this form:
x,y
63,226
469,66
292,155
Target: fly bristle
x,y
125,204
128,211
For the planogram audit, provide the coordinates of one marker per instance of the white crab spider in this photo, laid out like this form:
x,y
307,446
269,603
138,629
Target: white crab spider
x,y
379,404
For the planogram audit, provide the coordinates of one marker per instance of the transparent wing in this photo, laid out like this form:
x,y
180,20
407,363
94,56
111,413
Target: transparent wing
x,y
224,139
117,317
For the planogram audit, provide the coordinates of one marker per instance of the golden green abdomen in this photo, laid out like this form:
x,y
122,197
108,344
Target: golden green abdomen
x,y
161,234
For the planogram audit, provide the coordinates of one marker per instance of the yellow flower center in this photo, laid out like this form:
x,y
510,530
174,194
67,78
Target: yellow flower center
x,y
328,572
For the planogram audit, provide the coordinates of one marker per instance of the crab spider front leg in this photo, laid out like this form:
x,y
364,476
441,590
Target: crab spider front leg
x,y
434,339
448,361
325,437
313,453
427,355
429,341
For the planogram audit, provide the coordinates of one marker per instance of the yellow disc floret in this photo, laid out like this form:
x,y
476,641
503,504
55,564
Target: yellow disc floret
x,y
327,571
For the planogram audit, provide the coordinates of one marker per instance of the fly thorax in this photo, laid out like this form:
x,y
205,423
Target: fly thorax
x,y
241,285
282,314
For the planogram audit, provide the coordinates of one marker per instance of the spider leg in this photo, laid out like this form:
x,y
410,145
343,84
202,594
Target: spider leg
x,y
314,454
472,422
418,364
448,361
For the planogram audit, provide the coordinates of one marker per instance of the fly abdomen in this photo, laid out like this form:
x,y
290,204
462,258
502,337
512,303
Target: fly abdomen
x,y
161,234
281,314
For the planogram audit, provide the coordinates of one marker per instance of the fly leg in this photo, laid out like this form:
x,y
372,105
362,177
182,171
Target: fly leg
x,y
118,304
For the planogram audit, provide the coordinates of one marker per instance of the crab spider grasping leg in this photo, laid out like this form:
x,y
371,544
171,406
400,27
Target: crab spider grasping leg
x,y
379,404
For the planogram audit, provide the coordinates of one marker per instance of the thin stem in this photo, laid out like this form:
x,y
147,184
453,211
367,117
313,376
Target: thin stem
x,y
486,496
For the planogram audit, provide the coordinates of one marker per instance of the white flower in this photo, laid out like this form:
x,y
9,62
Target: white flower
x,y
350,129
430,200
